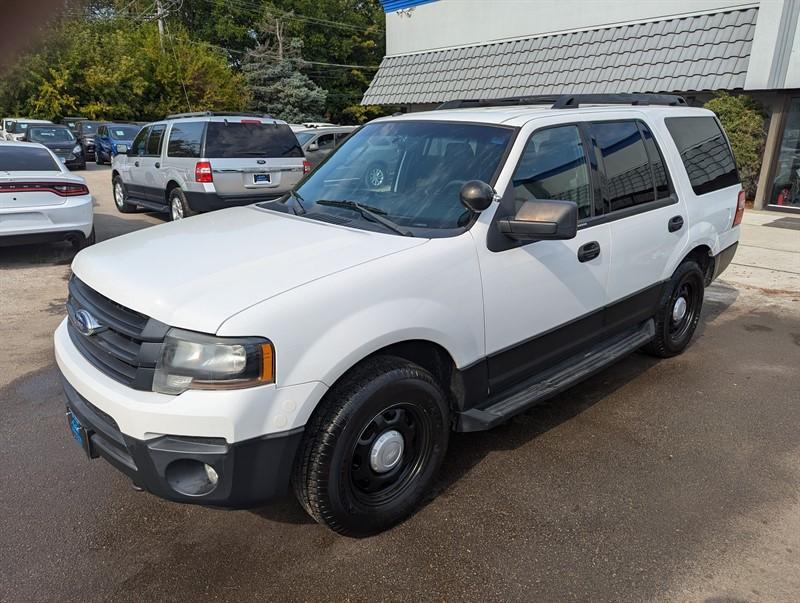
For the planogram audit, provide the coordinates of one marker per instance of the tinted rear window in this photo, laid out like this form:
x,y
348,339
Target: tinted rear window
x,y
185,139
31,159
705,153
250,140
628,176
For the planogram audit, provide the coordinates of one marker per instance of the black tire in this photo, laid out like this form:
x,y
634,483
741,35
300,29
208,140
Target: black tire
x,y
98,157
79,243
120,194
333,477
673,333
178,207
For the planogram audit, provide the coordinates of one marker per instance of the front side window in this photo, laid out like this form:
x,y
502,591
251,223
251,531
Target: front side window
x,y
705,153
153,147
50,135
410,172
137,146
185,139
325,142
626,174
553,166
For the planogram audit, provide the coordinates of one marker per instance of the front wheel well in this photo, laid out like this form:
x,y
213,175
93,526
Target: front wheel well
x,y
705,259
430,356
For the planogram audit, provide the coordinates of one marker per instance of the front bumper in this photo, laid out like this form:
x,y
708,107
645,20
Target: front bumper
x,y
248,473
248,436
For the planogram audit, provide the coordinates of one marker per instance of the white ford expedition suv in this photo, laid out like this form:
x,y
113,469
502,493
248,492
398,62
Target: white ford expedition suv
x,y
333,338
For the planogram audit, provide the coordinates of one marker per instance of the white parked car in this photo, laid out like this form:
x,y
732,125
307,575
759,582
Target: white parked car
x,y
335,337
16,128
40,199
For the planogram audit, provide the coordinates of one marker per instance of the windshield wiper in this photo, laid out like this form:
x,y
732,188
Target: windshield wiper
x,y
370,213
298,203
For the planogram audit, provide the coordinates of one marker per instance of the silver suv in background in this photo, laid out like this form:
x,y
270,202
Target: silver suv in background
x,y
197,162
319,141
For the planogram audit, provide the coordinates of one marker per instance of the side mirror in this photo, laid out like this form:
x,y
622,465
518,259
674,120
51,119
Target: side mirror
x,y
542,220
476,195
313,147
122,149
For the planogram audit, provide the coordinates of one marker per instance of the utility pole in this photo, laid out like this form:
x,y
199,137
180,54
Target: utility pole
x,y
160,16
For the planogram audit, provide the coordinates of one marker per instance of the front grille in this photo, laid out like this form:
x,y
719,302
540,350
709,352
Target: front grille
x,y
127,344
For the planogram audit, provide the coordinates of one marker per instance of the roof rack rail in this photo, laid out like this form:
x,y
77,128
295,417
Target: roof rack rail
x,y
218,114
570,101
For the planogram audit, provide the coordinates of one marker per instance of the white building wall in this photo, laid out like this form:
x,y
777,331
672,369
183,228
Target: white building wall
x,y
448,23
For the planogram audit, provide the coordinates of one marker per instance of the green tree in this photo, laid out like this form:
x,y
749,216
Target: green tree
x,y
276,85
743,120
105,68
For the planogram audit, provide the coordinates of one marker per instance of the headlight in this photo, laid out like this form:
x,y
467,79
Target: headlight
x,y
196,361
76,149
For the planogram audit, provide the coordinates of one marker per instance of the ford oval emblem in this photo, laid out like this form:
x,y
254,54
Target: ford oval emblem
x,y
260,161
87,324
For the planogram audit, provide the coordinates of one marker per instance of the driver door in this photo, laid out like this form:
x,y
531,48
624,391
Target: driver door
x,y
544,300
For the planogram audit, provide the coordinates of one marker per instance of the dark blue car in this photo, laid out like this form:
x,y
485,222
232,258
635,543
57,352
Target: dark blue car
x,y
107,138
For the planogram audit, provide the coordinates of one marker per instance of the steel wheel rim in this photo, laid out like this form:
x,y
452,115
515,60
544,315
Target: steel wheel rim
x,y
375,176
177,208
680,326
373,488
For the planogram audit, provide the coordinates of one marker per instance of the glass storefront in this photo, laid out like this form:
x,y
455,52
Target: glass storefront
x,y
786,185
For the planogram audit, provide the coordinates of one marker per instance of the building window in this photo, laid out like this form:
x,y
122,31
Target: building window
x,y
786,185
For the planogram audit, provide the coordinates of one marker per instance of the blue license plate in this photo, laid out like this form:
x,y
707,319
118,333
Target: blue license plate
x,y
76,429
262,178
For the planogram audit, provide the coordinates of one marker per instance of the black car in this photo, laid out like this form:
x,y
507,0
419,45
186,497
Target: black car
x,y
72,122
61,141
85,131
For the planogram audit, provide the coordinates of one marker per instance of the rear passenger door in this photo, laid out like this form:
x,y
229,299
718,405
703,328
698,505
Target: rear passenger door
x,y
647,221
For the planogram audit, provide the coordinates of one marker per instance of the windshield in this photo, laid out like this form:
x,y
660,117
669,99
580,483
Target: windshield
x,y
123,132
87,127
304,137
411,172
40,134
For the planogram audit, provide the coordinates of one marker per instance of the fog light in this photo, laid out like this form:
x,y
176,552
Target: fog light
x,y
191,478
211,474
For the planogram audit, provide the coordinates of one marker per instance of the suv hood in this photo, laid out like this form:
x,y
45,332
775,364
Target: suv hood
x,y
198,272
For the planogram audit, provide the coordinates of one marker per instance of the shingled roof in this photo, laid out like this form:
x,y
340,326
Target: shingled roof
x,y
701,52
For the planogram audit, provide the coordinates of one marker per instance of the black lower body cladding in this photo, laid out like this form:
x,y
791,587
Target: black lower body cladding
x,y
203,202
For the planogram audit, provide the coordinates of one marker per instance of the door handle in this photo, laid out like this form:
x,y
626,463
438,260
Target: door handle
x,y
136,163
158,164
675,223
588,251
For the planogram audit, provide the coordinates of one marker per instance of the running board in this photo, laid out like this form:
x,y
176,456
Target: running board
x,y
555,380
150,205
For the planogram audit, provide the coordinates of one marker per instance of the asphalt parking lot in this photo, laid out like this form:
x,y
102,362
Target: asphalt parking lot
x,y
674,480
